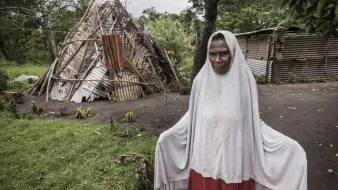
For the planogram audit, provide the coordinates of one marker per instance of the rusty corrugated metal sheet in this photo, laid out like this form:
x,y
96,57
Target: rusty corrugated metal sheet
x,y
257,67
304,55
255,49
125,91
242,45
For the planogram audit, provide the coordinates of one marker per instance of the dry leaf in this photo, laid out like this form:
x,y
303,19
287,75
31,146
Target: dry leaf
x,y
97,133
139,135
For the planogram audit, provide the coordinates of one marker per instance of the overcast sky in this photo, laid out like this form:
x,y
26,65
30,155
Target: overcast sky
x,y
136,7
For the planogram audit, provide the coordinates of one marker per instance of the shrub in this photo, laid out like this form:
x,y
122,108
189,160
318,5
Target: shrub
x,y
7,104
3,81
293,79
83,113
304,79
321,79
260,79
35,108
17,86
277,80
334,77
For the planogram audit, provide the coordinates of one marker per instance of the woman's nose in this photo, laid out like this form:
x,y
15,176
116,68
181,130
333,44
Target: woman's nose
x,y
217,59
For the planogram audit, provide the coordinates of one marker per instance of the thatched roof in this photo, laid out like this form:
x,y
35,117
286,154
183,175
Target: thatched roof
x,y
80,72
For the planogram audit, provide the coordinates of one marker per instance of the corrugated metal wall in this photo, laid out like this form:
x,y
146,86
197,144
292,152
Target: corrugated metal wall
x,y
296,55
255,50
304,56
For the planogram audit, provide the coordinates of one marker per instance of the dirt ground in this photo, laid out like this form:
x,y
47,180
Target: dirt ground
x,y
307,113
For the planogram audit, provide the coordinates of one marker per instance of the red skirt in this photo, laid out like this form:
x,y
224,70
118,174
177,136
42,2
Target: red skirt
x,y
198,182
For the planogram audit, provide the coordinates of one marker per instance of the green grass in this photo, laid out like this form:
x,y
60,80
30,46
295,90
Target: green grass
x,y
17,86
14,70
54,154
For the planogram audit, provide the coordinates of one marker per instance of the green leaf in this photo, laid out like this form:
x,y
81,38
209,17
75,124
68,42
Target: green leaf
x,y
310,3
286,2
299,7
320,6
326,13
309,12
291,10
330,6
336,11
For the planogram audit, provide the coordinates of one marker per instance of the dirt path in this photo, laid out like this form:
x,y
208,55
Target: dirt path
x,y
309,115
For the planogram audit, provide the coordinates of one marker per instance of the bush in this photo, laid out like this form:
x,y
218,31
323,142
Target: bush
x,y
31,81
260,79
185,90
7,104
3,81
293,79
321,79
178,87
35,108
334,78
82,113
304,79
174,86
277,80
17,86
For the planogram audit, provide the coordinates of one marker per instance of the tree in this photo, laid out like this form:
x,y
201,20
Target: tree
x,y
26,22
210,16
243,16
170,34
320,16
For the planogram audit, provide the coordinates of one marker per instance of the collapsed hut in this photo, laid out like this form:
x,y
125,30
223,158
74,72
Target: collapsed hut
x,y
106,55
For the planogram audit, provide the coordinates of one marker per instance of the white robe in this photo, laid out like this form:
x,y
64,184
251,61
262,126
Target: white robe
x,y
222,136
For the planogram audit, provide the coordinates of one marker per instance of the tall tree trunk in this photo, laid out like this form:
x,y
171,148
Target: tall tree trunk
x,y
4,51
51,42
45,25
209,26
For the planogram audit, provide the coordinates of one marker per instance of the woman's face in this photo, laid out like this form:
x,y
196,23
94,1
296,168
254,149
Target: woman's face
x,y
220,56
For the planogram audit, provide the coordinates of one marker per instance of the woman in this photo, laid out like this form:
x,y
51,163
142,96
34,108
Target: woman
x,y
221,142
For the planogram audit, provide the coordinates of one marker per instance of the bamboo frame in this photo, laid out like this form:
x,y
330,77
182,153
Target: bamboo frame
x,y
82,49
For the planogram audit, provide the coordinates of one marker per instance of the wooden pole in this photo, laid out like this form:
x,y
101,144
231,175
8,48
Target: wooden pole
x,y
268,61
171,66
273,70
49,79
102,80
326,57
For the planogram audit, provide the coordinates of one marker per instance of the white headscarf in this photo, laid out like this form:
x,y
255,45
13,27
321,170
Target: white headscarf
x,y
222,136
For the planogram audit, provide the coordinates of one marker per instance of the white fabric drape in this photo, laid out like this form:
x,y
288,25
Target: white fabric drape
x,y
222,136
